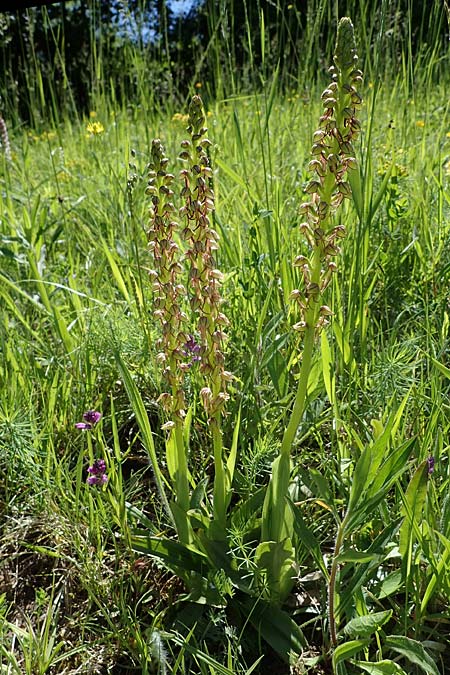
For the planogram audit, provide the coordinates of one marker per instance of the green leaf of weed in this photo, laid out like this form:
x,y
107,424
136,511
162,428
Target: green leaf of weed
x,y
364,626
413,651
385,667
413,505
347,650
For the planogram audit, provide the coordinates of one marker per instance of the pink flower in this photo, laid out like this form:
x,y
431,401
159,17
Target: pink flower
x,y
91,417
97,473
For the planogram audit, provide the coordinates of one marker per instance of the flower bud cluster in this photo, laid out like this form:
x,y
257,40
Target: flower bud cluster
x,y
332,157
204,277
168,292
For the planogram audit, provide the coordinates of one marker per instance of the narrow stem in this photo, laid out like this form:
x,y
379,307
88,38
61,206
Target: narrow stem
x,y
182,478
219,473
308,348
90,448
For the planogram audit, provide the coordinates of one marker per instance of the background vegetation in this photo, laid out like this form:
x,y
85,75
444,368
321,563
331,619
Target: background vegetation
x,y
82,84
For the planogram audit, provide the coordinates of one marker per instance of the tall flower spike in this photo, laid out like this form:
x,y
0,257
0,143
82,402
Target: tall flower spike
x,y
167,289
204,277
332,159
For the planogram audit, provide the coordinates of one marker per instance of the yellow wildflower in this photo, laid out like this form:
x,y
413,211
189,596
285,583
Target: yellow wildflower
x,y
198,85
95,128
178,117
92,114
420,123
48,135
448,134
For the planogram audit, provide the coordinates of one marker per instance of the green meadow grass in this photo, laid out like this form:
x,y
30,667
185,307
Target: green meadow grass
x,y
75,294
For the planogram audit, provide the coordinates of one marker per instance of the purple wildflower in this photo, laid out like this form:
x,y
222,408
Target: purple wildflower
x,y
430,461
97,473
91,417
192,349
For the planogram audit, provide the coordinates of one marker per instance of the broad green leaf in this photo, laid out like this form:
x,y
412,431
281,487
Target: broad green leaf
x,y
180,558
363,572
413,651
172,456
275,560
277,516
276,627
414,500
347,650
356,556
363,626
393,465
390,584
199,493
385,667
378,427
137,514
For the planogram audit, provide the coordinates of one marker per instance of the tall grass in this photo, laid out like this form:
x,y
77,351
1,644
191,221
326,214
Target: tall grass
x,y
74,292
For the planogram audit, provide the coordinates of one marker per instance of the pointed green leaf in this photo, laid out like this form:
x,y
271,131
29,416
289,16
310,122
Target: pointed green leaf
x,y
180,558
276,627
390,584
442,369
307,538
363,626
140,412
385,667
356,556
359,478
231,460
413,651
413,505
347,650
441,567
276,561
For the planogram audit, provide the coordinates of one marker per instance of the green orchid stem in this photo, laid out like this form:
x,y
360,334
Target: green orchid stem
x,y
181,484
332,582
219,473
308,350
182,481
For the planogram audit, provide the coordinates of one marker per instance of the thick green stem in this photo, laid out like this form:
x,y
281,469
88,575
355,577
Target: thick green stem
x,y
219,473
181,484
308,349
182,477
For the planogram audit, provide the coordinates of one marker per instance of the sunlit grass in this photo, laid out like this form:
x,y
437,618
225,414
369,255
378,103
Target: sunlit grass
x,y
74,292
